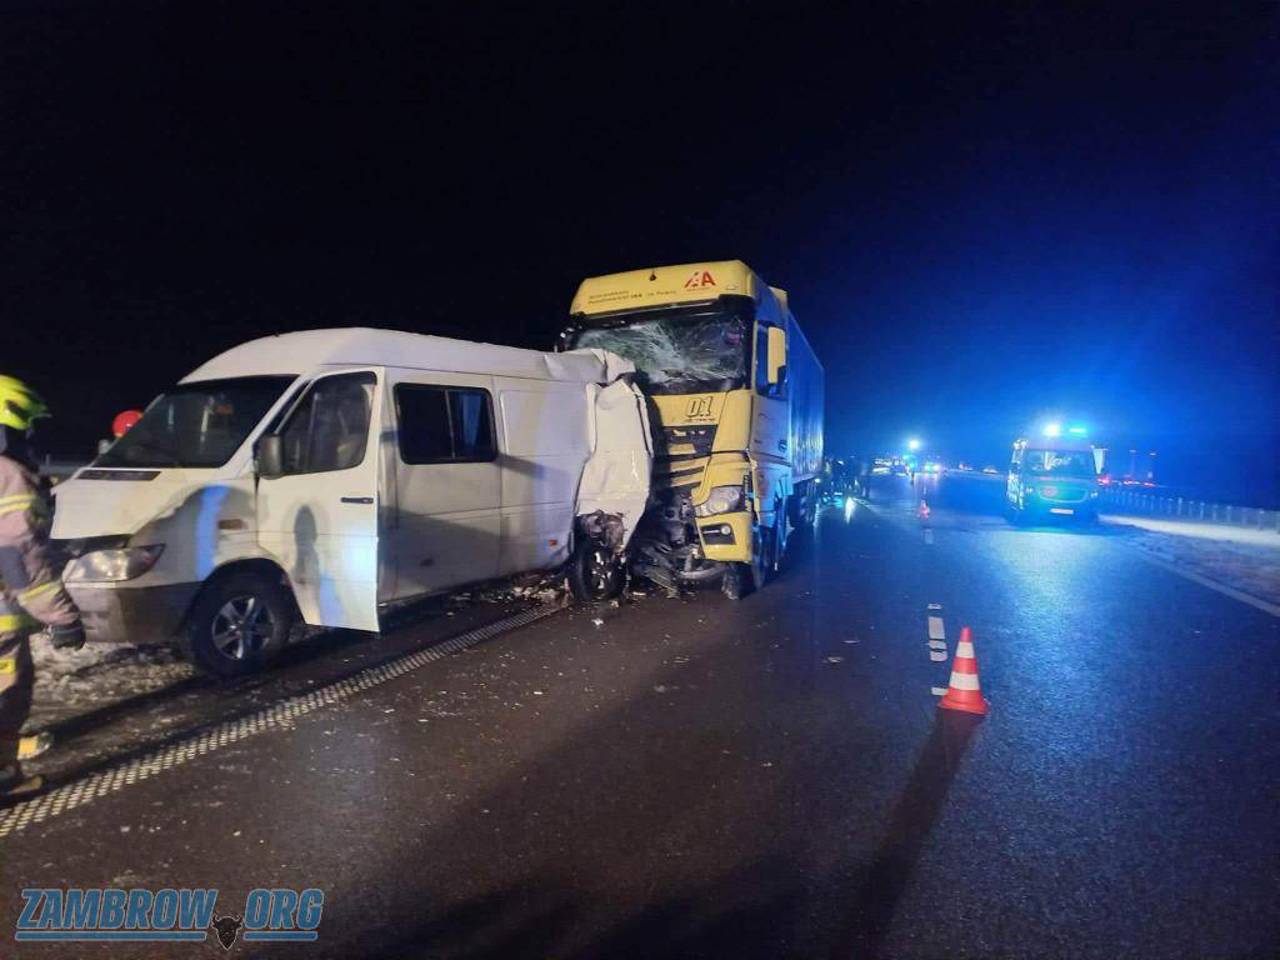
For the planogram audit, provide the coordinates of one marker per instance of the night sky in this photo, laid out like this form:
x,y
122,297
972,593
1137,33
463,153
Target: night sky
x,y
981,217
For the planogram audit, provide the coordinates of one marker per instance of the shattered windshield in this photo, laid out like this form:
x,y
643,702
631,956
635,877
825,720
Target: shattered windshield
x,y
1059,463
680,353
196,424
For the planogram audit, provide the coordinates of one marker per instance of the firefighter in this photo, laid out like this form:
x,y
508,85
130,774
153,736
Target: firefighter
x,y
31,593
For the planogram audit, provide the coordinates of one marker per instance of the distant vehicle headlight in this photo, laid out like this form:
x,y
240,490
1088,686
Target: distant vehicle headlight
x,y
112,566
722,500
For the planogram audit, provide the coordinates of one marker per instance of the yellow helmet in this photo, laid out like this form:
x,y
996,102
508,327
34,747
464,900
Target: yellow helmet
x,y
20,406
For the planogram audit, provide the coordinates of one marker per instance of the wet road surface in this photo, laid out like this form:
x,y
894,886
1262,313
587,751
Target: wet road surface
x,y
766,778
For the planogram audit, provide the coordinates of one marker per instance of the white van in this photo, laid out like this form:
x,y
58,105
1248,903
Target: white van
x,y
328,473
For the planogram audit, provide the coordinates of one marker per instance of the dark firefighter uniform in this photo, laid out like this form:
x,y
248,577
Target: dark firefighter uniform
x,y
31,593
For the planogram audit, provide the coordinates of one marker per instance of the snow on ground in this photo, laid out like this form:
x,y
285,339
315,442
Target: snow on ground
x,y
69,683
101,673
1247,560
1201,531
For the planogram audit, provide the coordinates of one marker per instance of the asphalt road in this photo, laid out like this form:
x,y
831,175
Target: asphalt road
x,y
766,778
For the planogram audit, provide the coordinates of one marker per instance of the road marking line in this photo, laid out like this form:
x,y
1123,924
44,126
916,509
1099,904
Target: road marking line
x,y
1256,602
79,793
938,691
937,644
928,535
938,656
936,629
935,606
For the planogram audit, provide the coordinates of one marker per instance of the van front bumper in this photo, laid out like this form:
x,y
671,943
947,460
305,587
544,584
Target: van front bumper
x,y
116,614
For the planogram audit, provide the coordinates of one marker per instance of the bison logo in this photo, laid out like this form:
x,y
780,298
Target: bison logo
x,y
226,929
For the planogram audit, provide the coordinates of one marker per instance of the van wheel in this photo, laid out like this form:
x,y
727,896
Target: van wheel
x,y
595,572
239,624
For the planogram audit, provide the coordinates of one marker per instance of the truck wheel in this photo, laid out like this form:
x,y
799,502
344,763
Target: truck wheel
x,y
774,546
757,571
595,572
239,624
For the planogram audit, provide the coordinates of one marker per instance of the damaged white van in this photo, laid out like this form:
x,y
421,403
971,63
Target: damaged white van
x,y
329,473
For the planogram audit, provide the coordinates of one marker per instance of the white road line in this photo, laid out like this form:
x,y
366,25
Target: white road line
x,y
937,635
928,535
79,793
938,691
1256,602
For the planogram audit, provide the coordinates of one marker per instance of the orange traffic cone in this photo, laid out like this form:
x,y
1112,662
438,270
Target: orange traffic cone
x,y
965,693
924,511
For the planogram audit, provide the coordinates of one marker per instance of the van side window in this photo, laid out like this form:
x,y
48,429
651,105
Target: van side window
x,y
444,424
329,429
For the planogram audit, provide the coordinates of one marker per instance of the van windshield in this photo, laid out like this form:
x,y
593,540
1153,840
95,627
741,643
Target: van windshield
x,y
1059,463
196,424
679,352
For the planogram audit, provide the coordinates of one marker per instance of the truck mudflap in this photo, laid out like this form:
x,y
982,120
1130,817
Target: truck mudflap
x,y
615,479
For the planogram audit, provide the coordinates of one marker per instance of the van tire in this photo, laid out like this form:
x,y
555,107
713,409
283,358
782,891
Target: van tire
x,y
239,624
595,572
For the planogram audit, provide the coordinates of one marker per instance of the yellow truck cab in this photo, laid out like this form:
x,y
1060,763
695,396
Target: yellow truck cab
x,y
1055,475
737,404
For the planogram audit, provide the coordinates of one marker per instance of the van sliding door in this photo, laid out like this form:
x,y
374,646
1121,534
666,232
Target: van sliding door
x,y
446,530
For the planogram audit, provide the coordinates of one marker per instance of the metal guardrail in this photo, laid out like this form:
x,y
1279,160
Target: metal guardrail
x,y
1198,511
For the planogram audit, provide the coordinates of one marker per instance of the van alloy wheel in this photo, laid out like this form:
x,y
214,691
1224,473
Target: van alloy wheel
x,y
242,627
595,571
240,622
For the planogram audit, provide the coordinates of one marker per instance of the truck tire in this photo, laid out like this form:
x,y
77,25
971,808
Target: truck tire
x,y
595,572
239,624
775,545
745,578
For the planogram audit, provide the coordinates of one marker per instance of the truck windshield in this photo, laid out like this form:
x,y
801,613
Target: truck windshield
x,y
1059,463
196,424
679,352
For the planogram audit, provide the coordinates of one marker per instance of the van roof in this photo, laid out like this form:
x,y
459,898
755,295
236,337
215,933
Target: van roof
x,y
303,351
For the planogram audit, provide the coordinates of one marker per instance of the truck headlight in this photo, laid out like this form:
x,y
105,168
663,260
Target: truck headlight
x,y
722,500
111,566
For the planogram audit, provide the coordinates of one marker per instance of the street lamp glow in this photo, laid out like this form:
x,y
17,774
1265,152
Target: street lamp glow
x,y
913,444
1053,429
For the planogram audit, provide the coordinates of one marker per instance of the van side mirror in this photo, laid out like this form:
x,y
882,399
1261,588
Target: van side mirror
x,y
776,360
269,457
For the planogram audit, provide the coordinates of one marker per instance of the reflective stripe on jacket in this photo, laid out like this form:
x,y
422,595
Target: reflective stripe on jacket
x,y
30,589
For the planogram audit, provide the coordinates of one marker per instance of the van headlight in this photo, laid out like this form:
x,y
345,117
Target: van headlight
x,y
111,566
722,500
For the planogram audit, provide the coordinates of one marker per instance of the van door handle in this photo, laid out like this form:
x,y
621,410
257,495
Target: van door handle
x,y
357,499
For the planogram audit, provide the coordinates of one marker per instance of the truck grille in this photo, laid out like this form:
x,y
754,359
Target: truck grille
x,y
679,442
